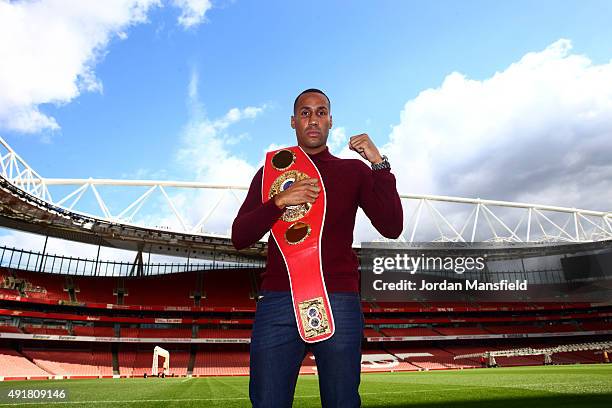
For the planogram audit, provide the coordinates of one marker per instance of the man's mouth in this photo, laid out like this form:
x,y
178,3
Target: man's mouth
x,y
313,132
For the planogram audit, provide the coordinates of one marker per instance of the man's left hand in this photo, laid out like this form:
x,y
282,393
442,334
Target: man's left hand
x,y
363,145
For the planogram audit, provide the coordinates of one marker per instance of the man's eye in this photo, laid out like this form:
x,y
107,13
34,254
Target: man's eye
x,y
322,113
305,113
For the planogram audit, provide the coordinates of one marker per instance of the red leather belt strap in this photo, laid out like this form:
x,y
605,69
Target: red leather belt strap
x,y
298,236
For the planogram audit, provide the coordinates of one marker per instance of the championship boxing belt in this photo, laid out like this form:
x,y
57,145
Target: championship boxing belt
x,y
298,236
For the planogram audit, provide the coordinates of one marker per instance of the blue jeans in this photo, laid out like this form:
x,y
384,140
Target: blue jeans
x,y
277,352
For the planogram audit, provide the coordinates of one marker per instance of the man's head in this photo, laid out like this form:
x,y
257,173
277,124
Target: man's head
x,y
311,120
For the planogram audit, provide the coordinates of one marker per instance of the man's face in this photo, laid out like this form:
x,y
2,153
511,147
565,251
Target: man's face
x,y
311,121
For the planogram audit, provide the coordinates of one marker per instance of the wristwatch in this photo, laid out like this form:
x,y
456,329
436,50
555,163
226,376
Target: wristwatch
x,y
384,164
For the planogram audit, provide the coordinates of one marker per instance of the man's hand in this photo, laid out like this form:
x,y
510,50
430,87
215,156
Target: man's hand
x,y
300,192
363,145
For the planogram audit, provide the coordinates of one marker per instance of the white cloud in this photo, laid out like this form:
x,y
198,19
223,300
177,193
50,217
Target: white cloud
x,y
205,142
538,131
193,11
205,153
337,139
49,50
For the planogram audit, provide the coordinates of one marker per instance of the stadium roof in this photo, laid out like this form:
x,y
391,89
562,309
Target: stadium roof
x,y
26,204
21,210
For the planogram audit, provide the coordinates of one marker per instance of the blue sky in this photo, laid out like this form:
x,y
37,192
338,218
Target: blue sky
x,y
371,58
502,100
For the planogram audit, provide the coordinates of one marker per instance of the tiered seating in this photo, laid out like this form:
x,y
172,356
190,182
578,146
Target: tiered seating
x,y
373,361
565,358
308,364
449,305
411,331
513,329
220,362
7,328
129,332
104,331
179,359
171,290
143,362
561,327
155,333
83,331
13,364
458,331
219,293
42,285
456,350
519,360
93,331
596,326
224,333
398,305
126,361
77,362
168,333
138,361
581,357
103,359
61,331
427,358
95,290
150,290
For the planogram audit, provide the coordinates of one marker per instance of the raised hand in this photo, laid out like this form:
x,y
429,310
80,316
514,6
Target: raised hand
x,y
363,145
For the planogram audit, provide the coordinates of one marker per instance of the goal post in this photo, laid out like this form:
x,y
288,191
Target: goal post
x,y
157,353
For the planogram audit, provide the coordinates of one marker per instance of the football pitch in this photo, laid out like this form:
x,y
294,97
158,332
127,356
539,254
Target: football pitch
x,y
552,386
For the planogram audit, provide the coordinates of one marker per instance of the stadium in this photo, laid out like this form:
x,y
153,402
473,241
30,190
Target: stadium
x,y
101,328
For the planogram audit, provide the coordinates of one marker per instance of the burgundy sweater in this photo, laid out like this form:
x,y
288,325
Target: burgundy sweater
x,y
348,183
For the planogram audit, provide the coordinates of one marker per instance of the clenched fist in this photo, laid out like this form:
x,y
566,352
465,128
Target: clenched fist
x,y
363,145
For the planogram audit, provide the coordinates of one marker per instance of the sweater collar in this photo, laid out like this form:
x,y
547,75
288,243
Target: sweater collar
x,y
322,155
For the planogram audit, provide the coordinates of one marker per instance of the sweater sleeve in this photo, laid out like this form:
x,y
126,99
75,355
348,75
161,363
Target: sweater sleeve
x,y
254,218
379,199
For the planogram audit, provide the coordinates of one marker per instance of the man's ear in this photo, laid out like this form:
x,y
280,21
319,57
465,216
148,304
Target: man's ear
x,y
292,122
330,121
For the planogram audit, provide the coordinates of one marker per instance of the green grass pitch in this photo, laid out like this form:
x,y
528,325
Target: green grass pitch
x,y
552,386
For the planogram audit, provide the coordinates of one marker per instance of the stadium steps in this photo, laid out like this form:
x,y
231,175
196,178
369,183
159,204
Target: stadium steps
x,y
404,360
468,362
115,353
192,359
15,364
33,361
254,288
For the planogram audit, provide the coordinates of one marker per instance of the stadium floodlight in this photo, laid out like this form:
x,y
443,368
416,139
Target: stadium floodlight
x,y
157,353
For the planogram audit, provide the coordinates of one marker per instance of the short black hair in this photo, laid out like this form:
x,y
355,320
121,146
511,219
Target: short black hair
x,y
311,90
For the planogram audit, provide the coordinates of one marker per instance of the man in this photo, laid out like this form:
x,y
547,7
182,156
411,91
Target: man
x,y
277,350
